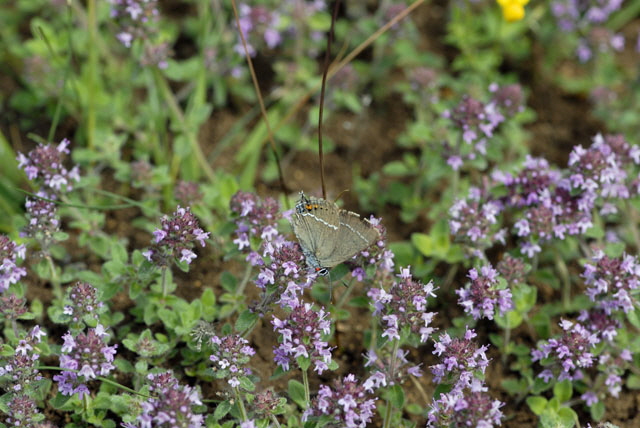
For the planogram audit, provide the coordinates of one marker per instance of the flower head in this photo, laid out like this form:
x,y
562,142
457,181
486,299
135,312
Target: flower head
x,y
170,404
302,334
176,238
230,356
481,296
90,355
347,403
45,164
10,272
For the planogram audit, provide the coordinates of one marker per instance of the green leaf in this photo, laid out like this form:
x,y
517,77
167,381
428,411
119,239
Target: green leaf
x,y
396,396
633,381
296,393
222,409
597,411
423,243
537,404
246,320
563,391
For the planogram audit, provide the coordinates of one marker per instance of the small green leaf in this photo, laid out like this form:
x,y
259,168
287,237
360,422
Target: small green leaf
x,y
396,396
597,411
246,320
296,393
222,409
563,391
537,404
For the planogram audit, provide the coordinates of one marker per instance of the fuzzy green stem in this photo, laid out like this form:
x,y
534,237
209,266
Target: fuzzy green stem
x,y
275,421
392,369
346,294
164,281
305,382
563,271
55,281
243,411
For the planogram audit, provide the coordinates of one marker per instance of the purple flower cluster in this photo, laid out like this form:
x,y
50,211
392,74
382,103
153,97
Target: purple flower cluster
x,y
404,306
512,269
477,122
460,359
301,335
134,17
175,238
602,171
509,99
389,370
170,404
462,366
45,164
20,370
612,282
346,403
267,402
12,307
84,303
474,222
469,407
263,26
90,355
10,272
564,357
256,218
483,294
23,412
43,220
230,355
187,192
588,18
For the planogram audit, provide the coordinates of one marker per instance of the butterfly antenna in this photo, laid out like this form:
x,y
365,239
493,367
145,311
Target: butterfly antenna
x,y
263,110
325,71
340,195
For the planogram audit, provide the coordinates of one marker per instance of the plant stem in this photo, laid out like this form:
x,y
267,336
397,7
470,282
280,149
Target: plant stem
x,y
275,421
243,411
392,370
55,282
305,381
164,281
346,294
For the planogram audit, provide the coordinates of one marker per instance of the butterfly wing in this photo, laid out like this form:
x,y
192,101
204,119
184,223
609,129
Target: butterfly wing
x,y
353,235
316,223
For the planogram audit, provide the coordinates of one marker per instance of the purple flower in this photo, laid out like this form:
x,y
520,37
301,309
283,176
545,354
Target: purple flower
x,y
512,269
135,18
565,356
404,307
88,353
20,370
459,360
83,302
175,238
346,403
45,164
387,369
302,334
474,222
10,272
43,220
483,293
12,307
230,355
470,407
23,411
254,217
612,282
170,404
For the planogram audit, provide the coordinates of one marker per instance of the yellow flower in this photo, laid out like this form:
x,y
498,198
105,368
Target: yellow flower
x,y
512,10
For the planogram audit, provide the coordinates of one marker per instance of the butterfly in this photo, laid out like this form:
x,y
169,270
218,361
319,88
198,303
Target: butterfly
x,y
328,234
